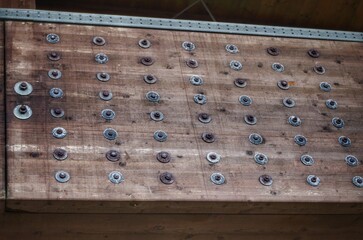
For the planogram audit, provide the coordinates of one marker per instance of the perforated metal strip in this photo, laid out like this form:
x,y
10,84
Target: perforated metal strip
x,y
173,24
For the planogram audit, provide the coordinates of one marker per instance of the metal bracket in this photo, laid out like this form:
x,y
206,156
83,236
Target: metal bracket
x,y
173,24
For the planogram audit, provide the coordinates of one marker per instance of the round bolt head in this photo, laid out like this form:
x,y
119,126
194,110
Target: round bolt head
x,y
266,180
116,177
313,180
23,88
62,176
166,178
217,178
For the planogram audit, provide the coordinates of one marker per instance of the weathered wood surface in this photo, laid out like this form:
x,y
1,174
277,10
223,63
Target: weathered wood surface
x,y
31,167
2,119
29,4
179,226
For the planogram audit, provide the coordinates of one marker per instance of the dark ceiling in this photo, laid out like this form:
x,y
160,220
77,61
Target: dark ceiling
x,y
326,14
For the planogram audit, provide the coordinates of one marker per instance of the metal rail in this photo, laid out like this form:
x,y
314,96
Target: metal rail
x,y
174,24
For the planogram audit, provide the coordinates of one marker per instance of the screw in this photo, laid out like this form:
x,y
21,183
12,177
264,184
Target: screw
x,y
116,176
150,77
209,136
56,91
301,139
212,156
200,97
332,103
240,81
53,54
106,93
204,116
54,73
157,115
360,181
261,157
62,175
108,113
23,86
338,121
57,111
59,131
266,179
313,179
250,118
294,119
23,109
283,83
103,75
288,101
113,154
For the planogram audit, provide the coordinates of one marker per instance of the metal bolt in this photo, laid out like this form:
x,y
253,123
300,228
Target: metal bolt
x,y
284,83
23,109
106,93
59,131
23,86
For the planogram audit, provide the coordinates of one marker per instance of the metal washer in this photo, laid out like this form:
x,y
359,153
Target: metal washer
x,y
196,80
150,79
116,177
213,157
255,138
200,99
351,160
101,58
53,38
260,158
113,155
59,132
307,160
60,154
266,180
294,121
250,120
288,102
56,93
157,116
331,104
105,97
337,122
23,88
110,134
300,140
23,115
245,100
163,157
217,178
240,82
319,69
153,96
278,67
204,118
144,43
208,137
108,114
62,176
192,63
325,86
99,41
103,76
231,48
235,65
357,181
160,136
54,74
344,141
313,180
188,46
57,112
283,84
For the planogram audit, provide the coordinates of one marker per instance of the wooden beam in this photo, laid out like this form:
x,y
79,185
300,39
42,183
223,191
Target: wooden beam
x,y
28,4
178,226
31,165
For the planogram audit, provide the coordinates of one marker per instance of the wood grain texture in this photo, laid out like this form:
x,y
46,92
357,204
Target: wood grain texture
x,y
2,119
30,143
28,4
178,226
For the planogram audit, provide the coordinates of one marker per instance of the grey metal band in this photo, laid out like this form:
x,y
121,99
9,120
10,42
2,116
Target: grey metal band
x,y
173,24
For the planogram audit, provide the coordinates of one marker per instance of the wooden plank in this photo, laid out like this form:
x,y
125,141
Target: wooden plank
x,y
28,4
179,226
2,119
32,167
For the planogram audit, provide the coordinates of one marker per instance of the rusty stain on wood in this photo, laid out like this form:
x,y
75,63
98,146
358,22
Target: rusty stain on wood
x,y
30,143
